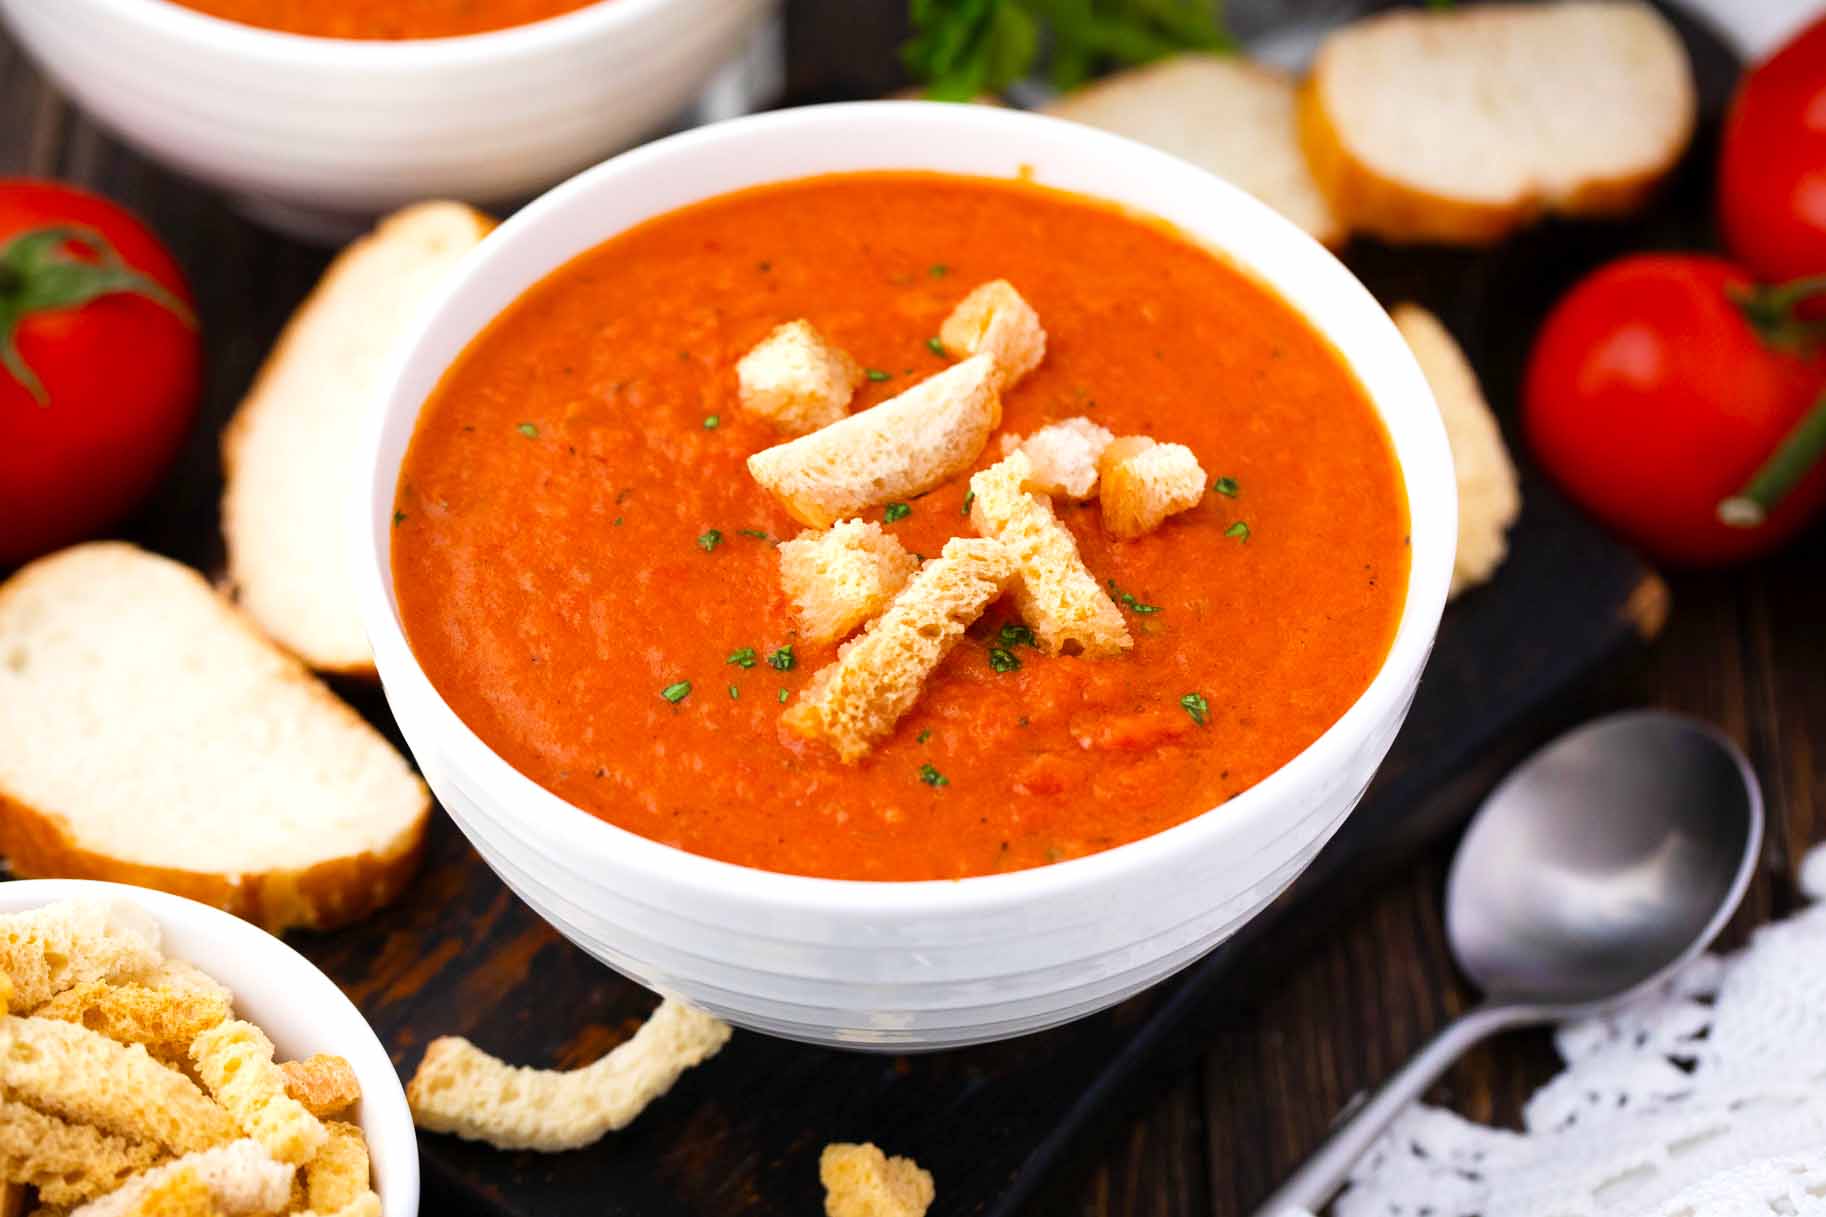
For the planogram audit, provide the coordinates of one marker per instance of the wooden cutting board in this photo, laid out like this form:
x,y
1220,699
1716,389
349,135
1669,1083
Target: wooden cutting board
x,y
740,1136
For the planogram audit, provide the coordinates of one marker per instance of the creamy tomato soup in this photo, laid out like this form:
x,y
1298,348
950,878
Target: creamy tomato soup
x,y
559,582
385,19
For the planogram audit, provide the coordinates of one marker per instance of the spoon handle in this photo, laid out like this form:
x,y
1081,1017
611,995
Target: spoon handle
x,y
1310,1187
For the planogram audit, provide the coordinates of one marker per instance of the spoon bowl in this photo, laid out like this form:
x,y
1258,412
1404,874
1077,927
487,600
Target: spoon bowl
x,y
1607,860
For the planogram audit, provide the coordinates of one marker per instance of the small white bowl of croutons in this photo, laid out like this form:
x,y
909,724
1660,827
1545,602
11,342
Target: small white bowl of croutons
x,y
161,1052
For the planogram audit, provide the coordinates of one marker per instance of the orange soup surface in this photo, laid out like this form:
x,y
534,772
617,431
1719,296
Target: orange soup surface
x,y
385,19
577,538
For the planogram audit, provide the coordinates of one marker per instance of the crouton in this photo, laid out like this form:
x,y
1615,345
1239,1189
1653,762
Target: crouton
x,y
83,1076
900,448
841,578
165,1020
861,1181
242,1180
1057,597
326,1084
235,1061
461,1089
338,1176
1145,482
877,676
67,1163
1463,125
183,1194
1063,456
44,951
797,379
995,320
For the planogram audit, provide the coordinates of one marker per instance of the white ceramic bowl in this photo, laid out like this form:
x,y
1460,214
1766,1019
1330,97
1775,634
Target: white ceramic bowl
x,y
318,135
283,993
908,965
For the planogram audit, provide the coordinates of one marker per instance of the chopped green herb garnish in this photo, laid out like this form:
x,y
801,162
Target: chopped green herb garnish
x,y
399,517
744,658
1134,606
1197,707
1003,660
929,774
783,696
1239,530
878,374
756,533
676,693
1014,634
712,421
735,694
528,430
895,512
938,270
1225,487
923,737
618,521
782,660
969,498
936,347
710,540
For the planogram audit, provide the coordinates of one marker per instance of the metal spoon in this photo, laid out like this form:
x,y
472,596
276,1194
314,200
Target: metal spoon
x,y
1607,860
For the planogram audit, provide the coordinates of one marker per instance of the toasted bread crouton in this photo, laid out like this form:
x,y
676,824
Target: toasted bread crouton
x,y
235,1060
861,1181
461,1089
67,1163
325,1083
338,1176
878,675
900,448
46,950
797,379
1489,490
1226,114
165,1020
1145,482
181,1194
83,1076
1063,457
1460,126
242,1180
995,320
1057,597
840,578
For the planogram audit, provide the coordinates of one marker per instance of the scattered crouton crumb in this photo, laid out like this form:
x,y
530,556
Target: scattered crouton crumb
x,y
797,379
861,1181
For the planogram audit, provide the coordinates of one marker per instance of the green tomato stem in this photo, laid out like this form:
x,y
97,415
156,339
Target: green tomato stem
x,y
1797,456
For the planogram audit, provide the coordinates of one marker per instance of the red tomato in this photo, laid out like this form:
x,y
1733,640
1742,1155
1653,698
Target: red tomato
x,y
1772,168
1652,399
102,380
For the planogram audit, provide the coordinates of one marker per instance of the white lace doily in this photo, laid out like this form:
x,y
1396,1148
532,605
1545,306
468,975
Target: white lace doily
x,y
1706,1100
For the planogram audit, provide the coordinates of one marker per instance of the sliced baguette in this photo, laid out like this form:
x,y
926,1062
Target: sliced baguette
x,y
1223,113
150,735
288,451
1461,126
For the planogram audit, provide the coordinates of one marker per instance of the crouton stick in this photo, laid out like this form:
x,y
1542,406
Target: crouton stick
x,y
67,1163
47,950
235,1060
325,1084
240,1179
164,1020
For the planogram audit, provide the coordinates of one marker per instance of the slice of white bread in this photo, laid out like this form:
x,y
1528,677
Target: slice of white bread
x,y
288,452
1063,456
878,675
1145,482
150,735
1223,113
1461,125
997,321
1489,491
900,448
840,578
797,379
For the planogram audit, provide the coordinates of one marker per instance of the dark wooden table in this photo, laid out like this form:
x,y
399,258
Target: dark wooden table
x,y
1746,650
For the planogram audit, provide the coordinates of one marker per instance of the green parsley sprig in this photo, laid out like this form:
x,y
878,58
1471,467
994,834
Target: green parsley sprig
x,y
961,48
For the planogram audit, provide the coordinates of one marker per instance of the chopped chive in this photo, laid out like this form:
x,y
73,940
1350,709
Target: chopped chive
x,y
878,374
735,694
676,693
1225,487
756,533
399,517
1197,707
1134,606
938,270
783,696
936,347
743,658
782,660
924,736
528,430
1239,530
712,421
618,521
969,498
895,512
929,774
710,540
1014,634
1003,660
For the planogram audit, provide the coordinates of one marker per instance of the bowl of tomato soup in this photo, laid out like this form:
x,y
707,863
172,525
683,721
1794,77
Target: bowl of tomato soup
x,y
572,584
317,115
